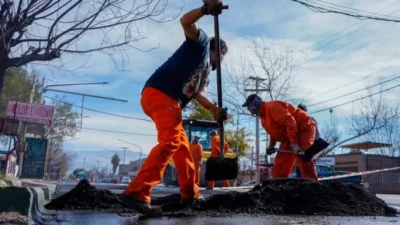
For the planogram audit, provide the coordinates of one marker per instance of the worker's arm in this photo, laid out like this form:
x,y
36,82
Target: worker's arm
x,y
282,116
203,99
188,22
200,154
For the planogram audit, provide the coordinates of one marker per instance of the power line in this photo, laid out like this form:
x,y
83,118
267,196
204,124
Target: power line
x,y
388,89
350,83
118,132
342,30
383,82
325,10
334,50
98,111
349,8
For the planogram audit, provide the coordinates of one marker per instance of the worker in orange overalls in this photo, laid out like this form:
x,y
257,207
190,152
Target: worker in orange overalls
x,y
216,152
290,126
196,149
182,78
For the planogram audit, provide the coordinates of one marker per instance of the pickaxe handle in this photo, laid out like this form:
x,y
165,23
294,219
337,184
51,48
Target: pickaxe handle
x,y
219,81
273,151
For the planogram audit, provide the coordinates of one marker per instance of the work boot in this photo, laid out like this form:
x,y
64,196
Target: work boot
x,y
142,207
186,202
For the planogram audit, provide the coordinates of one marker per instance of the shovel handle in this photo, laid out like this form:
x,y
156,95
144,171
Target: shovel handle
x,y
219,81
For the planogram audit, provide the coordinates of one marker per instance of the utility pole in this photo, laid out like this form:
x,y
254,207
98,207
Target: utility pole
x,y
84,160
21,155
257,90
124,160
251,163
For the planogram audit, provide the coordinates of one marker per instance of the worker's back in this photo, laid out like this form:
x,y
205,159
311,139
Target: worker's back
x,y
197,152
215,146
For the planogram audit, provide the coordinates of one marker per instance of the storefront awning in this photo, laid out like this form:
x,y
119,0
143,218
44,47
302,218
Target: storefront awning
x,y
366,145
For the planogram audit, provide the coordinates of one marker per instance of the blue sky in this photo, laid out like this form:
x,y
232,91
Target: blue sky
x,y
283,22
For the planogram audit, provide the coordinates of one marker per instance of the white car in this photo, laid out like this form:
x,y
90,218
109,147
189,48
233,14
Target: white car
x,y
125,180
249,183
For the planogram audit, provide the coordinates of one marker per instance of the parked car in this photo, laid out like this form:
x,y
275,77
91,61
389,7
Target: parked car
x,y
249,183
125,180
328,171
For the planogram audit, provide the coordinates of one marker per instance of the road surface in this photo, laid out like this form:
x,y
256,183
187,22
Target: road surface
x,y
90,218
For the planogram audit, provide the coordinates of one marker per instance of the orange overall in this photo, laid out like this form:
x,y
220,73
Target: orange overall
x,y
287,124
197,153
216,152
172,144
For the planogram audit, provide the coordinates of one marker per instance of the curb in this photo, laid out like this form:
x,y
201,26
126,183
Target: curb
x,y
28,201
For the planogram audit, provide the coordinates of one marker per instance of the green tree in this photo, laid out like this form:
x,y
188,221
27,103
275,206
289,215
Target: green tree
x,y
115,162
78,170
242,140
18,87
196,111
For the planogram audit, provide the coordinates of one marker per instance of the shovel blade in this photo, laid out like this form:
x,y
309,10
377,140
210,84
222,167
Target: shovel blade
x,y
218,168
316,148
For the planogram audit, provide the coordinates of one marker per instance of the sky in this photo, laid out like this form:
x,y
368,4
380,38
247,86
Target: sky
x,y
329,51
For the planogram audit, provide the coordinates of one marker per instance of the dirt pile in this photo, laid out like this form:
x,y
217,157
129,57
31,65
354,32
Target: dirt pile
x,y
86,197
296,196
279,196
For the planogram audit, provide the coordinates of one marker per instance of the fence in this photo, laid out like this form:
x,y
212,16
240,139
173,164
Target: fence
x,y
384,183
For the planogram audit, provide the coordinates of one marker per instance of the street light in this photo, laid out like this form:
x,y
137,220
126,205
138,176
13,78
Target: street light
x,y
46,88
140,155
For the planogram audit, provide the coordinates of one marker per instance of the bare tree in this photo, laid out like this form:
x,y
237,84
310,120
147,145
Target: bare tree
x,y
59,157
100,172
372,115
266,60
331,134
389,134
43,30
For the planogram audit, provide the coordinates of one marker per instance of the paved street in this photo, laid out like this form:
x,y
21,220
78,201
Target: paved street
x,y
89,218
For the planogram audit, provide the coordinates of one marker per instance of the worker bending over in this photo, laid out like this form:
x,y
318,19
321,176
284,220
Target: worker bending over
x,y
216,152
183,77
304,108
290,126
197,153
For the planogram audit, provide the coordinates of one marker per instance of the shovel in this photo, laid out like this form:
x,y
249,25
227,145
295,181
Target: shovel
x,y
313,152
220,168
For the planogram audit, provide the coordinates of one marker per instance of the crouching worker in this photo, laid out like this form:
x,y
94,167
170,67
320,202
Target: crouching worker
x,y
216,152
292,127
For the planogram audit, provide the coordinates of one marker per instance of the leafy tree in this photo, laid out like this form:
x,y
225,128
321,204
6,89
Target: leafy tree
x,y
78,170
115,162
242,140
196,111
18,87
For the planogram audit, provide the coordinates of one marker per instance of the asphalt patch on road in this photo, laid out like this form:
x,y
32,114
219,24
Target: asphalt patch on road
x,y
84,196
276,196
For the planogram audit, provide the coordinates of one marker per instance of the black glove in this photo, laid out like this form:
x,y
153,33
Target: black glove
x,y
219,114
213,7
271,151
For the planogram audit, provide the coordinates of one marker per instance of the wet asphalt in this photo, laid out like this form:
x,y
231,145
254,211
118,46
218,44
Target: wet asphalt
x,y
88,218
99,218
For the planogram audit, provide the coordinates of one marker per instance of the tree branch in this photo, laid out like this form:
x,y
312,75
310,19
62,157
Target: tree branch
x,y
20,61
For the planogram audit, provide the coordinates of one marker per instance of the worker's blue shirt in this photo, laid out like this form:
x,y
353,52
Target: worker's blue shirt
x,y
185,72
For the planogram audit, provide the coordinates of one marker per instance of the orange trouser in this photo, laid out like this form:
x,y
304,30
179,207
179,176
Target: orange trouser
x,y
172,144
197,175
224,182
284,161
